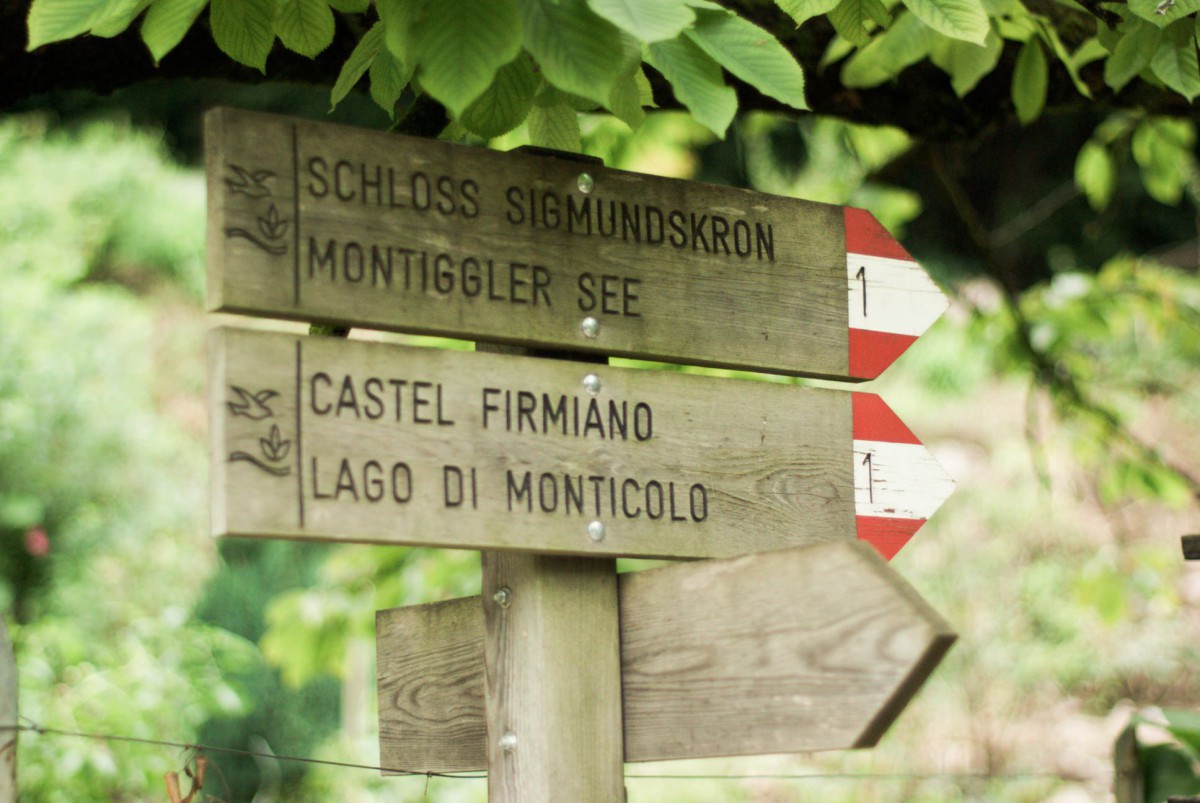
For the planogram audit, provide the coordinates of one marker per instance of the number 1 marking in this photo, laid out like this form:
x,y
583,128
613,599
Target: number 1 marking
x,y
870,477
862,274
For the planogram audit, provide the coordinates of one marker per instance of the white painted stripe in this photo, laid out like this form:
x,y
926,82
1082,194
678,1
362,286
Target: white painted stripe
x,y
900,296
898,480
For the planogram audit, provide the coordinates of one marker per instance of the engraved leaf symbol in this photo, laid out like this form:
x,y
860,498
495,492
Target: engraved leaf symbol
x,y
275,448
272,225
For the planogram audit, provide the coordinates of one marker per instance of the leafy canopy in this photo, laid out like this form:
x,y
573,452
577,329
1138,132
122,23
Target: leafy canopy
x,y
495,64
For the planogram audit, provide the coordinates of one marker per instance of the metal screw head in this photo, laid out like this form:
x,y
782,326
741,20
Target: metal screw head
x,y
591,383
589,326
503,597
595,530
586,183
508,742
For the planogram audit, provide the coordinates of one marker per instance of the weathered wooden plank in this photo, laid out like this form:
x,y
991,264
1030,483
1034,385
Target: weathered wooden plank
x,y
552,658
430,683
313,221
329,439
812,648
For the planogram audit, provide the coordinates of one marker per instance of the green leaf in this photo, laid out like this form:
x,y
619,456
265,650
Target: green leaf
x,y
647,20
1132,54
697,82
1162,149
1029,81
244,30
625,102
852,18
958,19
803,10
119,16
461,44
645,90
555,126
167,22
577,51
506,103
399,18
1184,726
388,78
751,54
55,20
350,6
1168,772
905,43
305,26
1162,13
1175,61
1050,36
357,64
1095,174
966,63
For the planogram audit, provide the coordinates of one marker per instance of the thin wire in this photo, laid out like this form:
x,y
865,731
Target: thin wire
x,y
108,737
41,730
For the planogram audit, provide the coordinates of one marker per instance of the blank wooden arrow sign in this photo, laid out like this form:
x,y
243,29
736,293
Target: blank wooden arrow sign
x,y
317,222
813,648
342,440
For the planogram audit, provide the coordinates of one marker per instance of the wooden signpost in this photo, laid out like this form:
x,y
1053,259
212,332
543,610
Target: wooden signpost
x,y
815,648
794,636
318,222
327,439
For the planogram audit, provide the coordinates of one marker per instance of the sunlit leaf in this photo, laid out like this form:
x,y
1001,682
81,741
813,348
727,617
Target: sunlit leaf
x,y
648,20
304,26
167,22
697,82
1095,174
751,54
506,103
578,52
966,63
461,45
905,43
357,63
958,19
244,30
1029,82
555,126
852,19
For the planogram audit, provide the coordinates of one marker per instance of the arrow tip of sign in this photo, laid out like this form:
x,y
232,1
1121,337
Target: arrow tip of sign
x,y
891,300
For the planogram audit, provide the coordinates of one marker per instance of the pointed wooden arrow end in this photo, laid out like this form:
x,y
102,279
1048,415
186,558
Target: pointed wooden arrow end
x,y
922,643
892,301
898,484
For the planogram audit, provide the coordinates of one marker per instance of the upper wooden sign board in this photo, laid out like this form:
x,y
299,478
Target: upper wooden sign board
x,y
318,222
333,439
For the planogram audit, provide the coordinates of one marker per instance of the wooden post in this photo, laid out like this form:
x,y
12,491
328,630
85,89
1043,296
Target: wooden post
x,y
552,657
8,716
1128,784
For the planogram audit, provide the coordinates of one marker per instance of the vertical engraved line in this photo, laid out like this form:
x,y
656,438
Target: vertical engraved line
x,y
295,218
299,442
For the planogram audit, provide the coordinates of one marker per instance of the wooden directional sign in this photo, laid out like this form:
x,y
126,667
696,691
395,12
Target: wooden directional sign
x,y
803,649
317,222
332,439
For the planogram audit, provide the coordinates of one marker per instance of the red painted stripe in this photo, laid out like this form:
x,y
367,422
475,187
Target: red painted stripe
x,y
872,352
888,536
866,235
875,421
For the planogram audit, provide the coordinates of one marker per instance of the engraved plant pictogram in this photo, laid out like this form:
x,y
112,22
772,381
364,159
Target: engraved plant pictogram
x,y
274,447
272,227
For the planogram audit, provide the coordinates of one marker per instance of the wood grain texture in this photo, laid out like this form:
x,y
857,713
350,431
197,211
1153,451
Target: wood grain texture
x,y
304,220
553,679
812,648
307,446
430,682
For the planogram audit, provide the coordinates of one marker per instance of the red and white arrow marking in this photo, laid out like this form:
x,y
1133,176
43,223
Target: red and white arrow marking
x,y
897,483
892,300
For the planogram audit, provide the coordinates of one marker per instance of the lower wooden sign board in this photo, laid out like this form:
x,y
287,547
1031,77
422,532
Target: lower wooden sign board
x,y
813,648
340,440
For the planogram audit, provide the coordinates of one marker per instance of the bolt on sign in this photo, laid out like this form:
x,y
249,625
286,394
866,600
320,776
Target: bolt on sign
x,y
329,439
318,222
